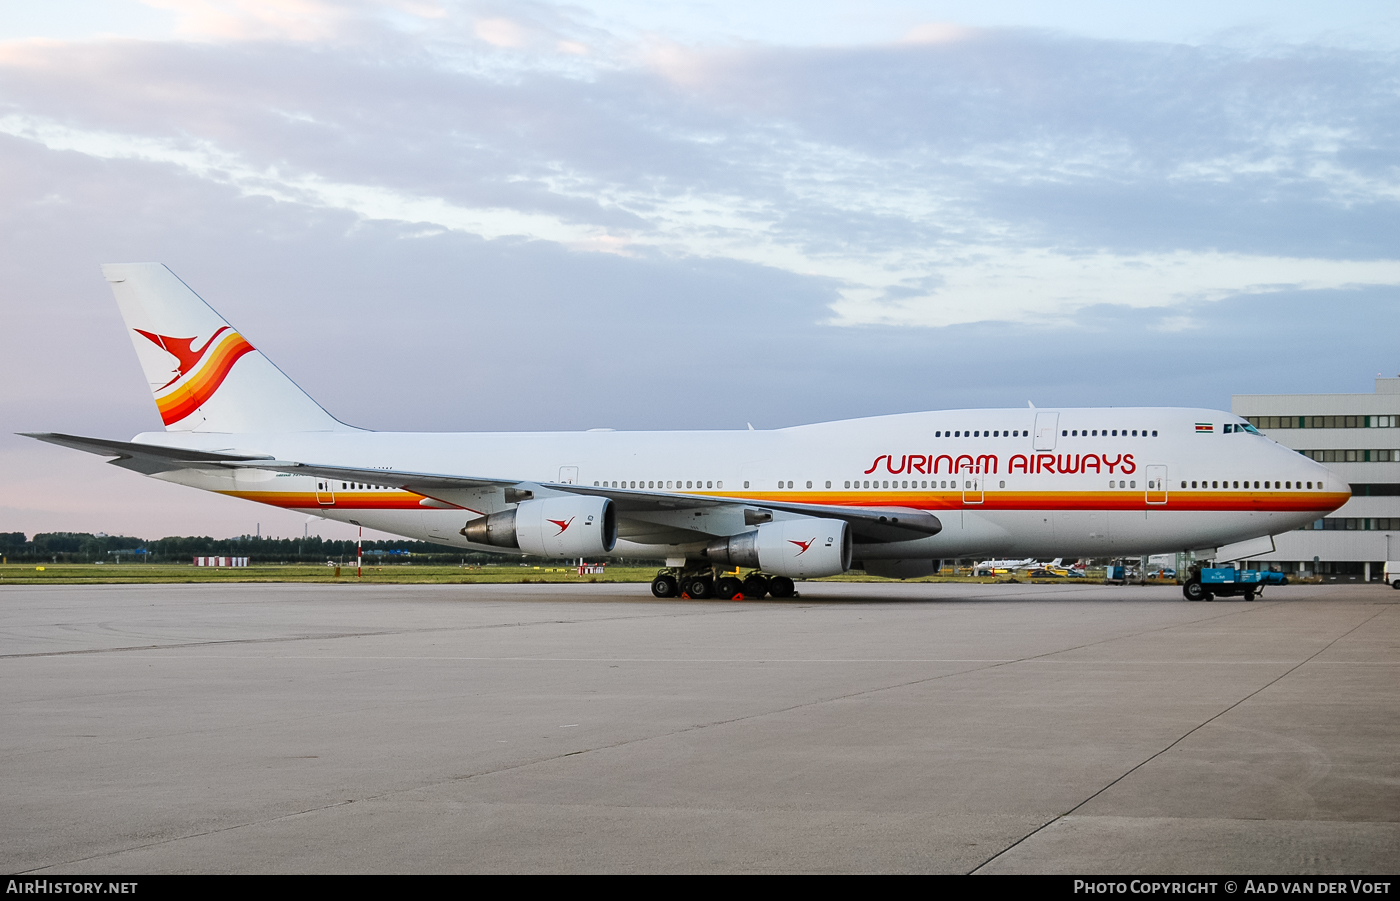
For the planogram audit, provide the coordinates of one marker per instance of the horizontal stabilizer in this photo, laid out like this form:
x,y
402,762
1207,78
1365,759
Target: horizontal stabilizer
x,y
144,458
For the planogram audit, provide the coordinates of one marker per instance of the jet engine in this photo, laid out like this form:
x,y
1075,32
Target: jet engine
x,y
796,548
550,527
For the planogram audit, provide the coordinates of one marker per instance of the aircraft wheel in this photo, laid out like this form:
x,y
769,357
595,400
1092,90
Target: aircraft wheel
x,y
699,587
664,587
727,587
1193,590
756,586
781,587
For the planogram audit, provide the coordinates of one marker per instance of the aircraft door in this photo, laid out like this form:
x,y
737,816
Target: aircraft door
x,y
1156,484
1046,424
971,485
325,495
568,475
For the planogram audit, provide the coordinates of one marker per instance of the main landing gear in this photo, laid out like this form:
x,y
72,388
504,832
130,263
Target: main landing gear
x,y
702,584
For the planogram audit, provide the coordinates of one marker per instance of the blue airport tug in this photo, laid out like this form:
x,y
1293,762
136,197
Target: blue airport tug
x,y
1206,583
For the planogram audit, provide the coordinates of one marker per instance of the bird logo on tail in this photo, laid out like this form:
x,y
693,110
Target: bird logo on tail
x,y
199,372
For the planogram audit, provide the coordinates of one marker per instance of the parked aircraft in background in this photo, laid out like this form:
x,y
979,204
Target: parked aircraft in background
x,y
893,494
1005,565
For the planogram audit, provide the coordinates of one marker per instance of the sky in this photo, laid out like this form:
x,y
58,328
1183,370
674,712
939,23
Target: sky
x,y
480,216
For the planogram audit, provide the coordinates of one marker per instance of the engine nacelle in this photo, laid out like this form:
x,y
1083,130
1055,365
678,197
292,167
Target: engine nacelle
x,y
796,548
550,527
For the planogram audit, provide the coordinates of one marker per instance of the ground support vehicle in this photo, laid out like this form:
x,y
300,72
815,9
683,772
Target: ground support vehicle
x,y
678,582
1115,575
1208,582
1392,573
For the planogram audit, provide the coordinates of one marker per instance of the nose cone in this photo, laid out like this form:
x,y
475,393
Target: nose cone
x,y
1336,491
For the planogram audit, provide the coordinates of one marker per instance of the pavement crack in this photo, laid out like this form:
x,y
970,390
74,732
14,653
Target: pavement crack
x,y
1177,741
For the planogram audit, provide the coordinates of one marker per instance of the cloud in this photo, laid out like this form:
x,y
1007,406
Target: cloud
x,y
294,20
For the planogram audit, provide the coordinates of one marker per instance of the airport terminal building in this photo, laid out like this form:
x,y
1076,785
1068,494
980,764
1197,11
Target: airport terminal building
x,y
1358,437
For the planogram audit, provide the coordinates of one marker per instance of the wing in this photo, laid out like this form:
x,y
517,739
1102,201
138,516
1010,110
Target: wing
x,y
645,516
868,524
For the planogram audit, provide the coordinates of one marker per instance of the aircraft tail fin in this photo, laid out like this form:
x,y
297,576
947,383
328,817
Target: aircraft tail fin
x,y
204,375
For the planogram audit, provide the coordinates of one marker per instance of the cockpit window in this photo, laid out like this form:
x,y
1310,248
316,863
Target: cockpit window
x,y
1240,427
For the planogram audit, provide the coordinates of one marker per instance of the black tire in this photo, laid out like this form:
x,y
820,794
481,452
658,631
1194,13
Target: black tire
x,y
1283,581
726,587
1395,584
1249,594
756,587
1193,590
699,587
781,587
665,587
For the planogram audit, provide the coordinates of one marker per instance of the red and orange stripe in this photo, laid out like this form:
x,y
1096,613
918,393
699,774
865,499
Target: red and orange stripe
x,y
191,393
1319,502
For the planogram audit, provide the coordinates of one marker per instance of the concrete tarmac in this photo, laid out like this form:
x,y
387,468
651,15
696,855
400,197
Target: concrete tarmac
x,y
552,728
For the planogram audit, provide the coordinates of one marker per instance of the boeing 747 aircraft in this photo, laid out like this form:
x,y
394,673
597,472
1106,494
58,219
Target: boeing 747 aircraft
x,y
894,494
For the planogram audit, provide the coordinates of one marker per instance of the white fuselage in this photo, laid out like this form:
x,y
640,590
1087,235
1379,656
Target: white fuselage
x,y
1070,482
